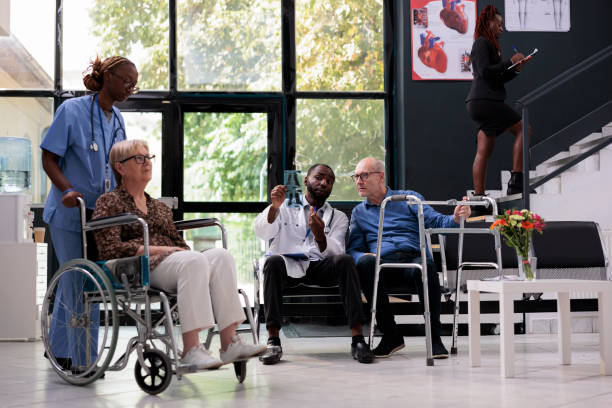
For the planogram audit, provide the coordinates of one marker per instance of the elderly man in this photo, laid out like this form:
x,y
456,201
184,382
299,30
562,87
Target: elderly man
x,y
307,245
400,244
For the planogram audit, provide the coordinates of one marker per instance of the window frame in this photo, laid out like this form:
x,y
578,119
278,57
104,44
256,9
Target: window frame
x,y
280,107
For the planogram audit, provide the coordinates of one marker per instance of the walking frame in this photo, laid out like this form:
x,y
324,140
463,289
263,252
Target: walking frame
x,y
424,241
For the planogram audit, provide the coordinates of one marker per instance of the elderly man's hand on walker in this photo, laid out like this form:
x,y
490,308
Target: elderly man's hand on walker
x,y
461,211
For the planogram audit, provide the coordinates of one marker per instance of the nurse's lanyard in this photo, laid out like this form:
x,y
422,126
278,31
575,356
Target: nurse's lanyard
x,y
94,146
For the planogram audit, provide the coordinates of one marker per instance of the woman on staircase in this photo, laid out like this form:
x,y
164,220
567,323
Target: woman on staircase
x,y
485,101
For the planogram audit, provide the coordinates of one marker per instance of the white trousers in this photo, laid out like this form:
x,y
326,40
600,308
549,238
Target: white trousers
x,y
206,287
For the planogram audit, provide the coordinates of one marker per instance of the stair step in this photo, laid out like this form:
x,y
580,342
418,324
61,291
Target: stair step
x,y
591,140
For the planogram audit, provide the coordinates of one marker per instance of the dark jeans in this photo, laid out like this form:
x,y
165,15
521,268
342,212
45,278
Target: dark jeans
x,y
390,278
335,270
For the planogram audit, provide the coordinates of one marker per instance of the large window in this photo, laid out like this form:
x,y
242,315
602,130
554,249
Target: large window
x,y
241,242
27,119
339,132
232,92
230,45
225,156
137,30
339,45
148,126
27,55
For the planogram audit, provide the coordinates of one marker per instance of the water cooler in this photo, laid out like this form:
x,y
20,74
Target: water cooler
x,y
23,263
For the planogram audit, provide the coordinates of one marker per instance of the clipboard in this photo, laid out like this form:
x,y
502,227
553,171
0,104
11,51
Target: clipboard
x,y
527,58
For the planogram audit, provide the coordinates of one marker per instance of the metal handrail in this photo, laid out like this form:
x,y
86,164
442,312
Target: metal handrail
x,y
542,90
566,75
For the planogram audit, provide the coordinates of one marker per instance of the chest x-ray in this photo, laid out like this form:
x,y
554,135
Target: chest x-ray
x,y
294,188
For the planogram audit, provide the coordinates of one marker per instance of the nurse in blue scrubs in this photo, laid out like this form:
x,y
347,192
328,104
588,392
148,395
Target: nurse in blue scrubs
x,y
75,156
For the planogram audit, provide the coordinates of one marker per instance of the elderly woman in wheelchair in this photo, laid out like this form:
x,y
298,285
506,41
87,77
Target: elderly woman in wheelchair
x,y
205,283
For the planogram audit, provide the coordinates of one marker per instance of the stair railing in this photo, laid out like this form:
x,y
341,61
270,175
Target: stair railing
x,y
536,94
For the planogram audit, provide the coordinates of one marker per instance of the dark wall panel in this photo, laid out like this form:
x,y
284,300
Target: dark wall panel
x,y
439,136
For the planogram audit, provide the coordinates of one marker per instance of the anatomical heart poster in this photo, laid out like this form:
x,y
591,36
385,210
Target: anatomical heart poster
x,y
442,37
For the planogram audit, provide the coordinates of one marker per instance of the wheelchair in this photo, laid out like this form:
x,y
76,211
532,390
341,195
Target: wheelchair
x,y
107,291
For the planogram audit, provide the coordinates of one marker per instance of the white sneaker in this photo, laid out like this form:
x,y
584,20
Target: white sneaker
x,y
238,350
201,358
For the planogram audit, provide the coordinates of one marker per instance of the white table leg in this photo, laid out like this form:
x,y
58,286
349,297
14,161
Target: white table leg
x,y
605,332
565,327
474,326
506,314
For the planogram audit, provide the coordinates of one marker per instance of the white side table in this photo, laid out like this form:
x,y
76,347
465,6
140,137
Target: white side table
x,y
23,274
511,290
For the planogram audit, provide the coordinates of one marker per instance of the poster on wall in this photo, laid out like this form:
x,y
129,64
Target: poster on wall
x,y
441,36
537,15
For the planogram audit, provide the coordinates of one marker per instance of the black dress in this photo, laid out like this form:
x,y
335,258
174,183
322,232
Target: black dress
x,y
485,101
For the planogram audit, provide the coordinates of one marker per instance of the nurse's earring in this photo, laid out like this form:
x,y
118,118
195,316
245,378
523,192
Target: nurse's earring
x,y
93,146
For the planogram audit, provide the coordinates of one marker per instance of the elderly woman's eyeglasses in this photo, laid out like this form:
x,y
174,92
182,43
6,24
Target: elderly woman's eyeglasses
x,y
129,85
139,158
363,176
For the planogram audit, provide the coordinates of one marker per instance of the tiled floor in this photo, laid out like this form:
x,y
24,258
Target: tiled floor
x,y
318,372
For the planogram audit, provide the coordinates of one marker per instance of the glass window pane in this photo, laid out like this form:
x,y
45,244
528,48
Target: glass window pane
x,y
229,45
137,30
27,118
339,45
27,54
147,126
241,242
339,133
225,156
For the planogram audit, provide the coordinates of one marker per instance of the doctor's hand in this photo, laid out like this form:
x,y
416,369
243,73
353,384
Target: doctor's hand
x,y
70,199
461,211
316,225
277,195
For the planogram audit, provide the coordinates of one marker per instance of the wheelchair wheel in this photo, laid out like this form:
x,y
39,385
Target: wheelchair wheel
x,y
240,368
83,326
160,372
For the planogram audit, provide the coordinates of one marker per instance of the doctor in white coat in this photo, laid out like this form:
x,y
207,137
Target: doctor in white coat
x,y
307,245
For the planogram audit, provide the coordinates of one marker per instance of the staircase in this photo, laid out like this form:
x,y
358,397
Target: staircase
x,y
582,193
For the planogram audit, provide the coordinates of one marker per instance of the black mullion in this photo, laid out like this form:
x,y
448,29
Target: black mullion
x,y
31,93
59,28
172,50
223,207
289,86
391,154
340,95
173,162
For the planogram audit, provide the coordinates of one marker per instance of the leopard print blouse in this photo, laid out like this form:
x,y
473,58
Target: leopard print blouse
x,y
124,240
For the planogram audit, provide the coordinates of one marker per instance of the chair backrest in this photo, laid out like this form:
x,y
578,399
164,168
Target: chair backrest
x,y
476,248
569,244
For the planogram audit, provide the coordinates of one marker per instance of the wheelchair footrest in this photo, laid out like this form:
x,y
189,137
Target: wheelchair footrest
x,y
185,369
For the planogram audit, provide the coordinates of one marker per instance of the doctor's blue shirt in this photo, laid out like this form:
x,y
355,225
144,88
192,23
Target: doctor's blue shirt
x,y
401,226
69,137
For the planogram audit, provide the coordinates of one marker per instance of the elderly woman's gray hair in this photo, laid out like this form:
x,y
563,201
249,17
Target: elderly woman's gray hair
x,y
121,151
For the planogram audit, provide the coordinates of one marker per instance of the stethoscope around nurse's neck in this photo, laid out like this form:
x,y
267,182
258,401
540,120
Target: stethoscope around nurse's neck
x,y
93,146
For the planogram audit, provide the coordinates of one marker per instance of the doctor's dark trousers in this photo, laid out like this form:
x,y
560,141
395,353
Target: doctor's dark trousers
x,y
337,270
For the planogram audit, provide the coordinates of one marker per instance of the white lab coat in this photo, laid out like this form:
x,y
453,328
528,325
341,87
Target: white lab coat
x,y
286,235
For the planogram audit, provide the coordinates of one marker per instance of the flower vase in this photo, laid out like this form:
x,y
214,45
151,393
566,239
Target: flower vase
x,y
527,267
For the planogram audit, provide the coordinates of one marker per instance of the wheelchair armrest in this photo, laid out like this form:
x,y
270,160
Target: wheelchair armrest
x,y
201,223
111,221
197,223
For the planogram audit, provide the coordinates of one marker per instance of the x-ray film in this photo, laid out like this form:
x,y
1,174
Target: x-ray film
x,y
294,188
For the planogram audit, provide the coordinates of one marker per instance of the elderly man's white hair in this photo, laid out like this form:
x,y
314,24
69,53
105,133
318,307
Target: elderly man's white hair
x,y
374,164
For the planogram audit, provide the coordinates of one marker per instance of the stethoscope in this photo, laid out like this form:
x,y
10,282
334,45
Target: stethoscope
x,y
93,146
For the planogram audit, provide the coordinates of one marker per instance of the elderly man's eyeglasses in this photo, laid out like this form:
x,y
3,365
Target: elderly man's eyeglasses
x,y
129,85
139,158
363,176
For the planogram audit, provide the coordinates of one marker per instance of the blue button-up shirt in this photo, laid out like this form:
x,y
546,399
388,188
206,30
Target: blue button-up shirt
x,y
401,226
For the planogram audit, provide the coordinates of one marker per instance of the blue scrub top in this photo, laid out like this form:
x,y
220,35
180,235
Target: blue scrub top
x,y
69,137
